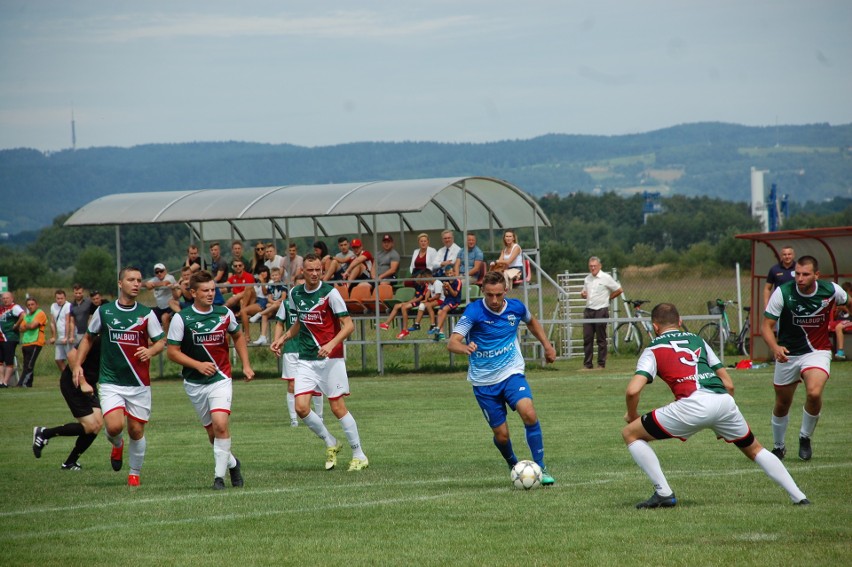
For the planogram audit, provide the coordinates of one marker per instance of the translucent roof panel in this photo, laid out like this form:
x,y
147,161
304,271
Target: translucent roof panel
x,y
411,205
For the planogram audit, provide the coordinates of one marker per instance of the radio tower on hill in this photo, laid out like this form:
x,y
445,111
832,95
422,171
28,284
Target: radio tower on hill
x,y
73,131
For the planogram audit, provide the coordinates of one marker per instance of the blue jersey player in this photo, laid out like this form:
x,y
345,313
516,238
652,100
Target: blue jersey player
x,y
496,370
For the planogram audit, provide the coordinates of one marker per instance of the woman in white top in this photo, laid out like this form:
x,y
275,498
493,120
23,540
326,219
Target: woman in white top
x,y
425,257
511,260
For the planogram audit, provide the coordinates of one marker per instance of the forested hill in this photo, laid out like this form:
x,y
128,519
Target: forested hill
x,y
808,163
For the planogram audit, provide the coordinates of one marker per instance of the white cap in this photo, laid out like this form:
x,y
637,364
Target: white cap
x,y
159,267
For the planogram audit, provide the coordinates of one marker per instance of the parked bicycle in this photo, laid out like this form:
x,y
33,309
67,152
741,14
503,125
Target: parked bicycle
x,y
629,337
710,331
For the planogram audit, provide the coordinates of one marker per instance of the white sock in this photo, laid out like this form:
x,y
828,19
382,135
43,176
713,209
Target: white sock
x,y
350,428
779,429
775,469
221,455
647,460
116,441
291,405
136,450
315,424
232,461
318,405
809,423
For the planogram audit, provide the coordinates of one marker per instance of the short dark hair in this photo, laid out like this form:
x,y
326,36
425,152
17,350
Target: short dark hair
x,y
342,239
809,260
198,278
311,258
665,314
491,278
126,269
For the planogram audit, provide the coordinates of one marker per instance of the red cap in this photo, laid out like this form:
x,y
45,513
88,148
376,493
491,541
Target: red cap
x,y
356,242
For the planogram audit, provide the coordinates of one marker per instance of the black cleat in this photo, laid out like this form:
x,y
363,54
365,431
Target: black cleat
x,y
236,475
38,441
218,483
780,452
802,502
657,501
116,456
71,467
805,451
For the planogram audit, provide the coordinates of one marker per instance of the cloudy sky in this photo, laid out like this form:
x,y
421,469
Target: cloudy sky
x,y
335,71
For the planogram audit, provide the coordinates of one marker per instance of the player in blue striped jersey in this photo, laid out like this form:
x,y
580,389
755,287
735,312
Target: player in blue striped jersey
x,y
496,372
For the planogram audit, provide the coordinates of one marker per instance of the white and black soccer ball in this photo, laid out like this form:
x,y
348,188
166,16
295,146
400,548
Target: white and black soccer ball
x,y
526,475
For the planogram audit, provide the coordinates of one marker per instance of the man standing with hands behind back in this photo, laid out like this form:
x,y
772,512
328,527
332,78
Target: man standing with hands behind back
x,y
599,288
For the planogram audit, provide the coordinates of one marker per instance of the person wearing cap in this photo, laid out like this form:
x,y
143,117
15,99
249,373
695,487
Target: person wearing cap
x,y
387,261
163,285
339,263
361,267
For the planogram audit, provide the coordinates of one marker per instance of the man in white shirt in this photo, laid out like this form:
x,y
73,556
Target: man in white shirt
x,y
163,285
448,253
62,338
599,288
271,257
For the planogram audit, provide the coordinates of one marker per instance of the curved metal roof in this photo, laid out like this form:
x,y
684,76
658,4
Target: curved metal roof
x,y
412,205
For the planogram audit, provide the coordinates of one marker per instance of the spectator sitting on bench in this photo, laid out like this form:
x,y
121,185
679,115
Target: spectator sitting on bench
x,y
452,299
841,323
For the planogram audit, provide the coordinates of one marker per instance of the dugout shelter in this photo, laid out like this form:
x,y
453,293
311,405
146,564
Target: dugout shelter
x,y
403,208
832,247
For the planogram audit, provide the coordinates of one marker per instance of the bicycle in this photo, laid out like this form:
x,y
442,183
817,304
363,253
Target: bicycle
x,y
629,337
710,331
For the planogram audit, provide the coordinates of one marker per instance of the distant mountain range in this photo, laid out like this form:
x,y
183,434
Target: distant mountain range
x,y
808,163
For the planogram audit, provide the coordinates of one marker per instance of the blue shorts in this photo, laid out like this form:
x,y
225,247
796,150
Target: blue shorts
x,y
493,399
262,301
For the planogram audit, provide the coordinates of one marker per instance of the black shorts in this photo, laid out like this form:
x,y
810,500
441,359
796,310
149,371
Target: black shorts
x,y
79,403
7,352
160,312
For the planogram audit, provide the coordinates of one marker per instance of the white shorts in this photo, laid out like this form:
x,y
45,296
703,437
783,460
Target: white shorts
x,y
134,400
790,372
685,417
290,362
208,398
322,377
61,351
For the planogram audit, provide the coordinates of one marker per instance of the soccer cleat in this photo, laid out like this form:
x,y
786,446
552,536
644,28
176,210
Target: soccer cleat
x,y
133,480
402,334
805,451
384,326
294,423
839,355
358,464
546,479
117,456
802,502
433,330
236,475
255,318
71,467
261,340
38,441
780,452
218,483
657,501
440,337
414,327
331,456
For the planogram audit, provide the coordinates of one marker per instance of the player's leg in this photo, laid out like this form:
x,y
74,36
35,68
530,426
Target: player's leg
x,y
772,466
138,410
112,405
637,435
785,380
815,380
317,402
336,380
307,382
490,400
92,425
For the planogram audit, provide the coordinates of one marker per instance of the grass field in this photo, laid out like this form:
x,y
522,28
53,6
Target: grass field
x,y
436,493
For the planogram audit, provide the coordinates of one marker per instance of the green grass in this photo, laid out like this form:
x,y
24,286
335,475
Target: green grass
x,y
436,493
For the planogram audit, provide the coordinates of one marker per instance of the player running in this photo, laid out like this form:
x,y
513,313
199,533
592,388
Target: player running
x,y
497,367
198,342
126,328
703,400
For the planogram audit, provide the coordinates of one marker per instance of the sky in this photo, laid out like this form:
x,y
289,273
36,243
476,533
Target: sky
x,y
335,71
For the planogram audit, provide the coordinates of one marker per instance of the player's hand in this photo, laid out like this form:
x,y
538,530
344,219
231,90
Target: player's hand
x,y
628,418
52,340
471,347
324,350
206,368
550,354
248,373
780,353
277,344
143,354
86,388
78,377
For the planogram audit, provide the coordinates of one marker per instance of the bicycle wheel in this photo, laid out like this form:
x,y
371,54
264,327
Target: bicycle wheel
x,y
745,344
628,339
710,334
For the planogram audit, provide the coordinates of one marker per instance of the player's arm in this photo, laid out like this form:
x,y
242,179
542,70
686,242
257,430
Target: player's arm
x,y
77,362
632,395
347,327
767,331
177,356
723,375
291,334
767,293
242,351
538,332
457,345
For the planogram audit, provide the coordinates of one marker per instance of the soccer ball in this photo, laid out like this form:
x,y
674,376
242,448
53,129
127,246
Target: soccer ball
x,y
526,475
